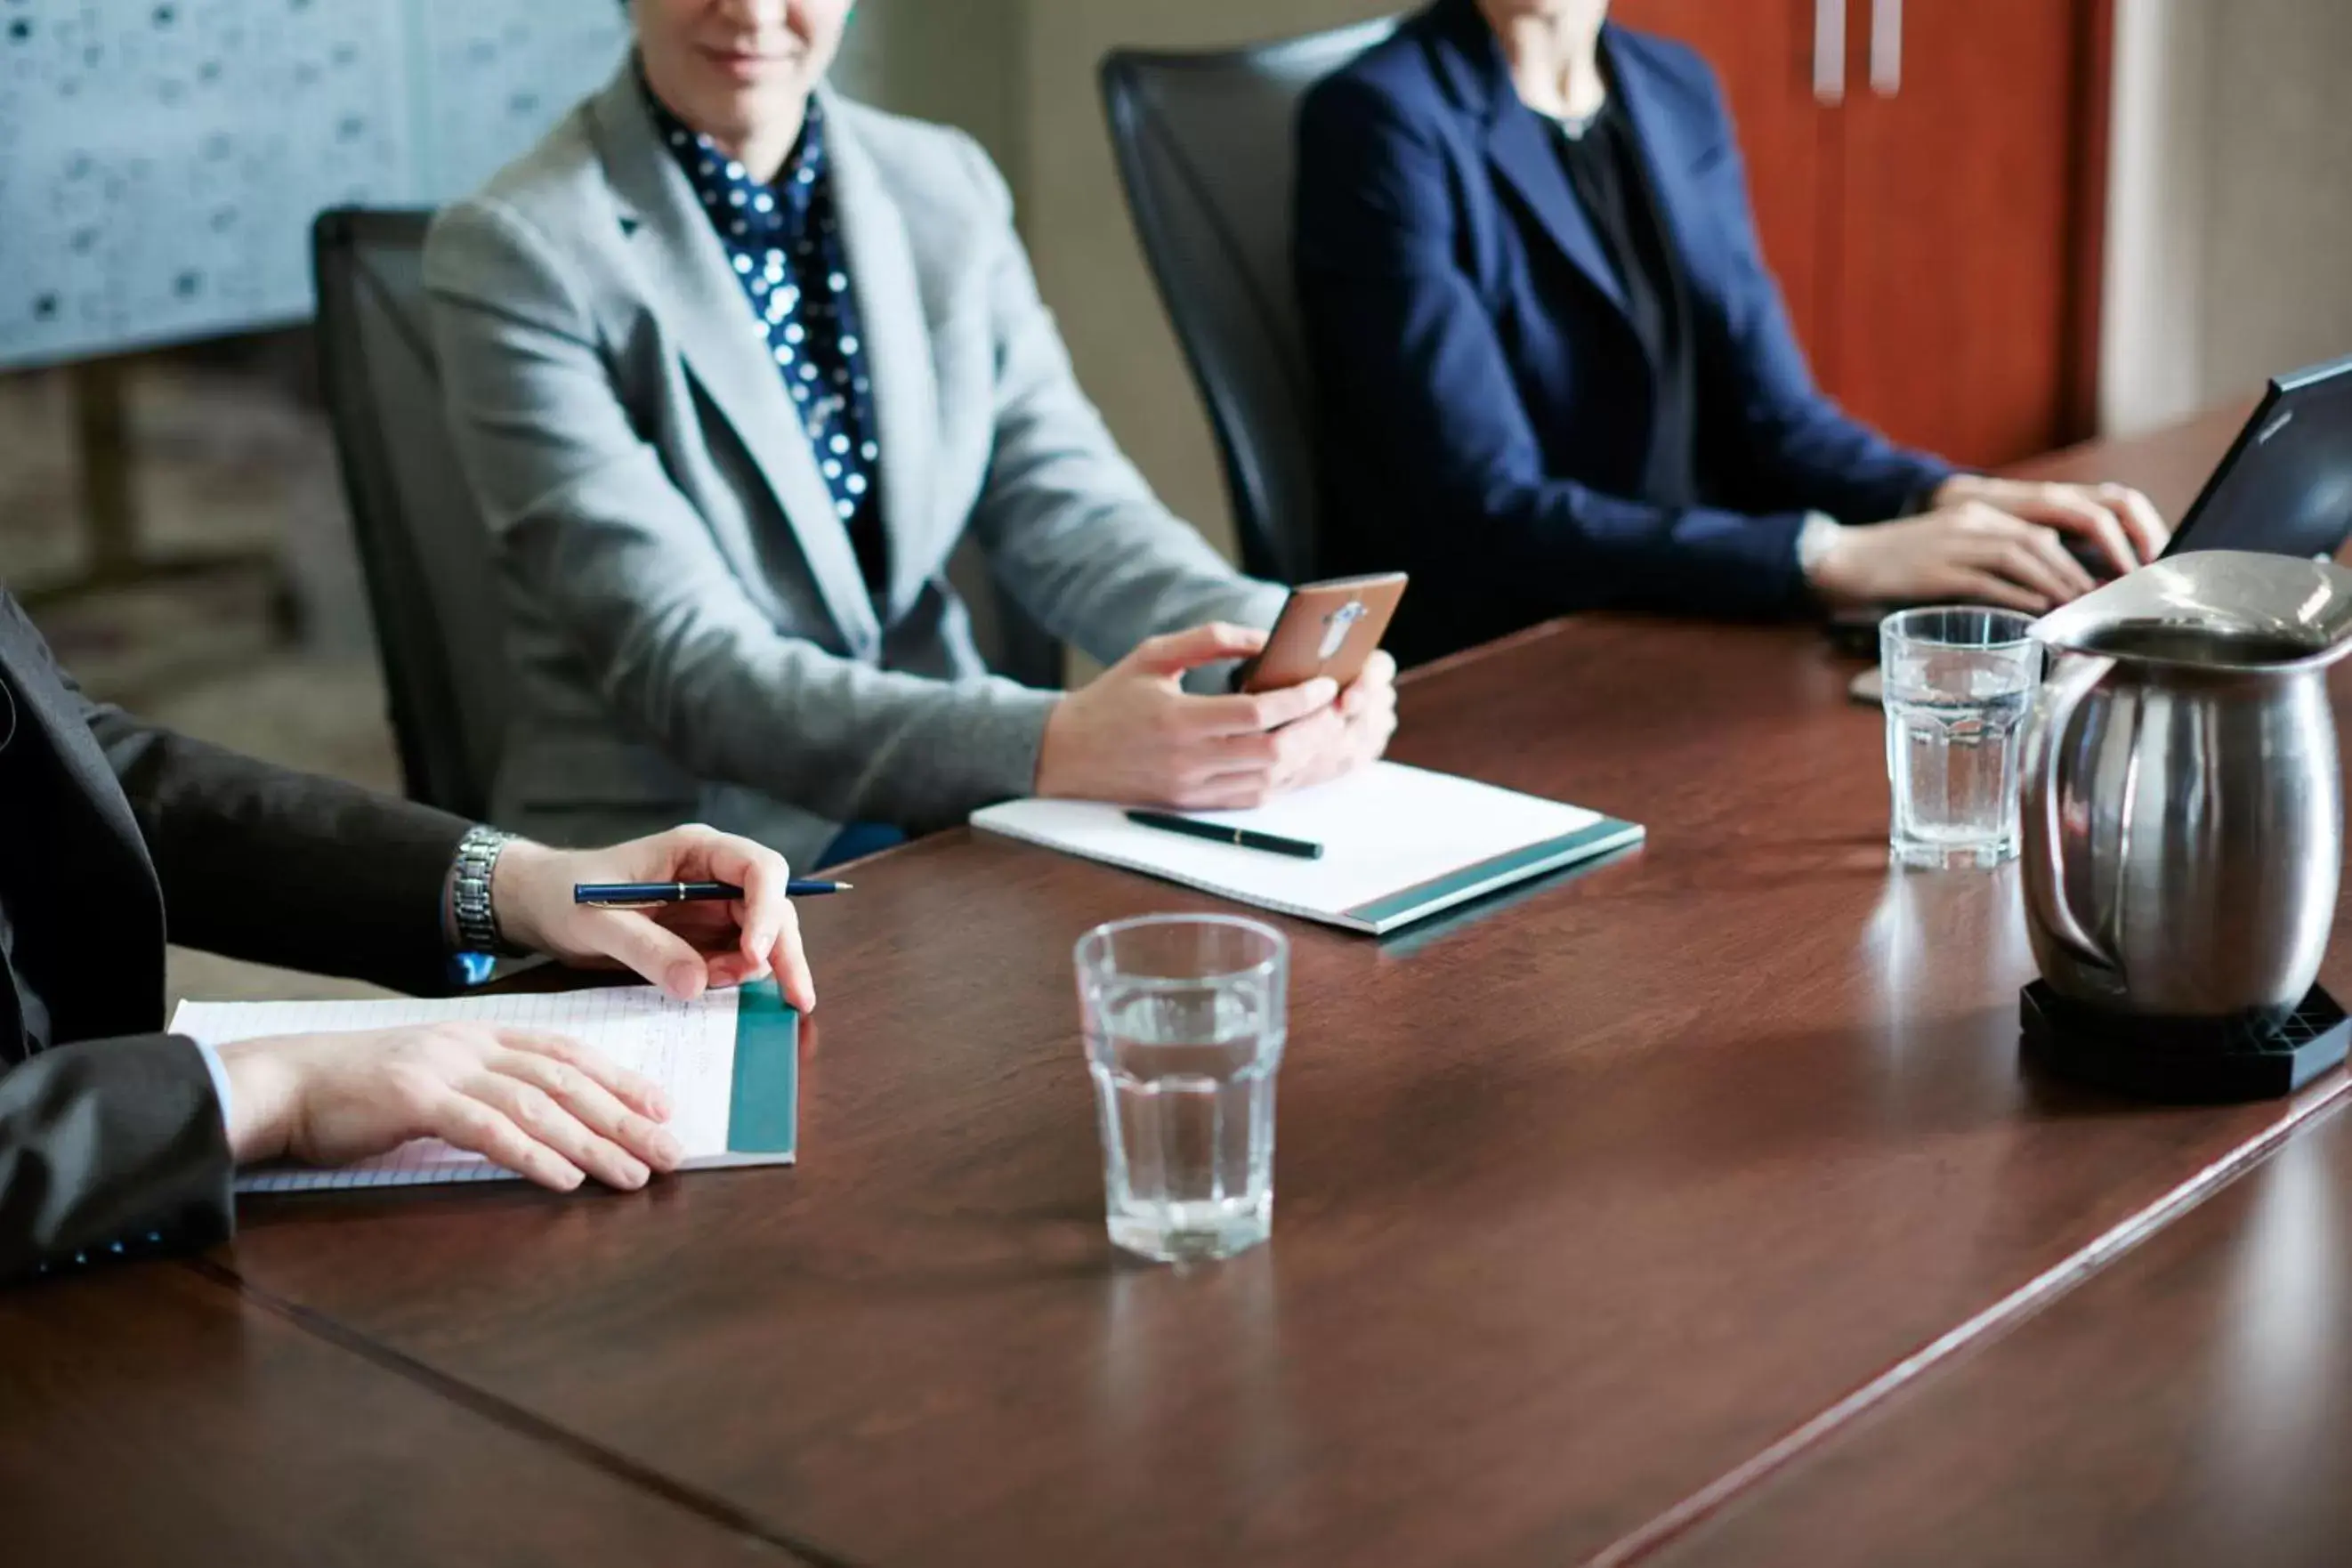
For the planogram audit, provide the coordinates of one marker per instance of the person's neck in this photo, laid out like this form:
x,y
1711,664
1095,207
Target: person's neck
x,y
1555,61
761,149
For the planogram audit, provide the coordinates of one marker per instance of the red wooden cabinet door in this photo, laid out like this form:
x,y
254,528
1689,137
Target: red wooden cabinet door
x,y
1763,51
1953,261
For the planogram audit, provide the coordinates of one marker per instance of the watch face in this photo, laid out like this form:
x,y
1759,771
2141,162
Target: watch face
x,y
1337,625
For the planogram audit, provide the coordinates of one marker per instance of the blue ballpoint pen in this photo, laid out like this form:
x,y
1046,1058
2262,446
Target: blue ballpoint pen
x,y
645,895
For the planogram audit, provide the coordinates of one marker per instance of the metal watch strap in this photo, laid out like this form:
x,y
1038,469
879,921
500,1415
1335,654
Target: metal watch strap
x,y
476,917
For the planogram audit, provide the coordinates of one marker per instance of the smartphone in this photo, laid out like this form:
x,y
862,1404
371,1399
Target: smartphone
x,y
1326,628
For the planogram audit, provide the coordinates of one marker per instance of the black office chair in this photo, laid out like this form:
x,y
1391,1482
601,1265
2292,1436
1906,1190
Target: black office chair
x,y
432,580
432,583
1207,157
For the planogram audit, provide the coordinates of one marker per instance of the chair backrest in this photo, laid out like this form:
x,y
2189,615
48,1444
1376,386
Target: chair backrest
x,y
1206,152
432,580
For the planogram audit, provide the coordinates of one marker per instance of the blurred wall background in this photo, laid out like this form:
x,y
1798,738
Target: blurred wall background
x,y
2229,228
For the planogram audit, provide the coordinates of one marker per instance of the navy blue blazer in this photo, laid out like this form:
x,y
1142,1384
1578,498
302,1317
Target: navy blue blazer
x,y
1484,402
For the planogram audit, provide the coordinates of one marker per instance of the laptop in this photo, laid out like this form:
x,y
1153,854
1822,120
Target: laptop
x,y
2284,489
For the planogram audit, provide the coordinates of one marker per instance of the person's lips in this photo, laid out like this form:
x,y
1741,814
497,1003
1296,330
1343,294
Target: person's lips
x,y
746,63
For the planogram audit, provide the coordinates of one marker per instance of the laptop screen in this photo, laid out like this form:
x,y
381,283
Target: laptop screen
x,y
2286,486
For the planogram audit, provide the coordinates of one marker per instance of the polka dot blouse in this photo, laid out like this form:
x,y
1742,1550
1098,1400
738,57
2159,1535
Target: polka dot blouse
x,y
784,243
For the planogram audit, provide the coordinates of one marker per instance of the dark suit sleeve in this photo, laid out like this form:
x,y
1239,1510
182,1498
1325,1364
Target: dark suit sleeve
x,y
1410,360
282,868
110,1149
287,868
1797,449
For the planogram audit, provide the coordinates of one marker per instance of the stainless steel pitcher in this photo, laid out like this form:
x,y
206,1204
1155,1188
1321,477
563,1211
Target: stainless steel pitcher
x,y
2183,814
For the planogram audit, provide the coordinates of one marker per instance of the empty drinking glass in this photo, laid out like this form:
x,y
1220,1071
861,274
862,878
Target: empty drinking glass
x,y
1185,1018
1959,683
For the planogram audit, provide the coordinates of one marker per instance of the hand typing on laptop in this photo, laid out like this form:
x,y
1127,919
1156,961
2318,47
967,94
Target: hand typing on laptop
x,y
2021,544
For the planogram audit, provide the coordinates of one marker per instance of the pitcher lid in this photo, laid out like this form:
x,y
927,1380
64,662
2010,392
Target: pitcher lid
x,y
2213,609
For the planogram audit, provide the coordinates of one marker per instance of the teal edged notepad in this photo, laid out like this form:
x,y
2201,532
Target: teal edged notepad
x,y
729,1060
1605,837
764,1102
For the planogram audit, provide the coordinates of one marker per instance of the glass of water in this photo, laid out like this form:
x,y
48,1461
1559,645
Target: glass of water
x,y
1959,683
1185,1017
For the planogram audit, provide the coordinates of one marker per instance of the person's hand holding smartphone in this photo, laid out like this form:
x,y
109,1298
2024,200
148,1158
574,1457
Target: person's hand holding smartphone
x,y
1332,631
1317,700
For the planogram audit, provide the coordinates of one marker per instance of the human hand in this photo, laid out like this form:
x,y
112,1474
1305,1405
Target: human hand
x,y
1368,706
542,1106
1134,736
684,948
1971,550
2122,524
1349,735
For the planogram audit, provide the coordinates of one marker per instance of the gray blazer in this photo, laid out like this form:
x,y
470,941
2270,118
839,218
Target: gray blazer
x,y
690,633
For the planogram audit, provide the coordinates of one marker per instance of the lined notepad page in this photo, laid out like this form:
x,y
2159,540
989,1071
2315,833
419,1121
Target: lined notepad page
x,y
688,1048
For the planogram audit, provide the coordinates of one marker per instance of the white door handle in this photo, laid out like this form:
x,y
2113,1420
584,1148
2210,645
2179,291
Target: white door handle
x,y
1829,52
1886,48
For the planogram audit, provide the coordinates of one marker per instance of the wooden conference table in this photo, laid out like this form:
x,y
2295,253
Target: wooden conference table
x,y
1694,1209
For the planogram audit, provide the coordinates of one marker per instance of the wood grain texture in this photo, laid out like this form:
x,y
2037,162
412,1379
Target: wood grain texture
x,y
1581,1201
2094,106
1940,249
2190,1405
149,1417
1959,236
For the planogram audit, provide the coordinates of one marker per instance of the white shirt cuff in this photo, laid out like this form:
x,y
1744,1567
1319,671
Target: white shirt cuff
x,y
1816,539
214,1065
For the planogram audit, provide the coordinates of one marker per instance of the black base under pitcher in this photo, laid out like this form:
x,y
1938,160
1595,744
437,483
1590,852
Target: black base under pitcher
x,y
2186,1060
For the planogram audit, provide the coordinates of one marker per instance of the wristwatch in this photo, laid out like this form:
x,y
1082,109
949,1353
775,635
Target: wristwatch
x,y
472,911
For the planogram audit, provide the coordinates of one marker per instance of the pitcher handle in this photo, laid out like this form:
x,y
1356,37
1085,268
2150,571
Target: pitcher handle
x,y
2063,701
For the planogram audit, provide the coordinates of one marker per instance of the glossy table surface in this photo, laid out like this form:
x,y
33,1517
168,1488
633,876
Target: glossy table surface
x,y
156,1416
1604,1213
2190,1404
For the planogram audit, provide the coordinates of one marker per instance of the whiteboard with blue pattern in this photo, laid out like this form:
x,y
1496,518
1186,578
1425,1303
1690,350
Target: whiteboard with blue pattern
x,y
161,161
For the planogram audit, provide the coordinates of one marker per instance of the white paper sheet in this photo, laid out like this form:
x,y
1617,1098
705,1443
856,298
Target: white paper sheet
x,y
1385,831
688,1048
